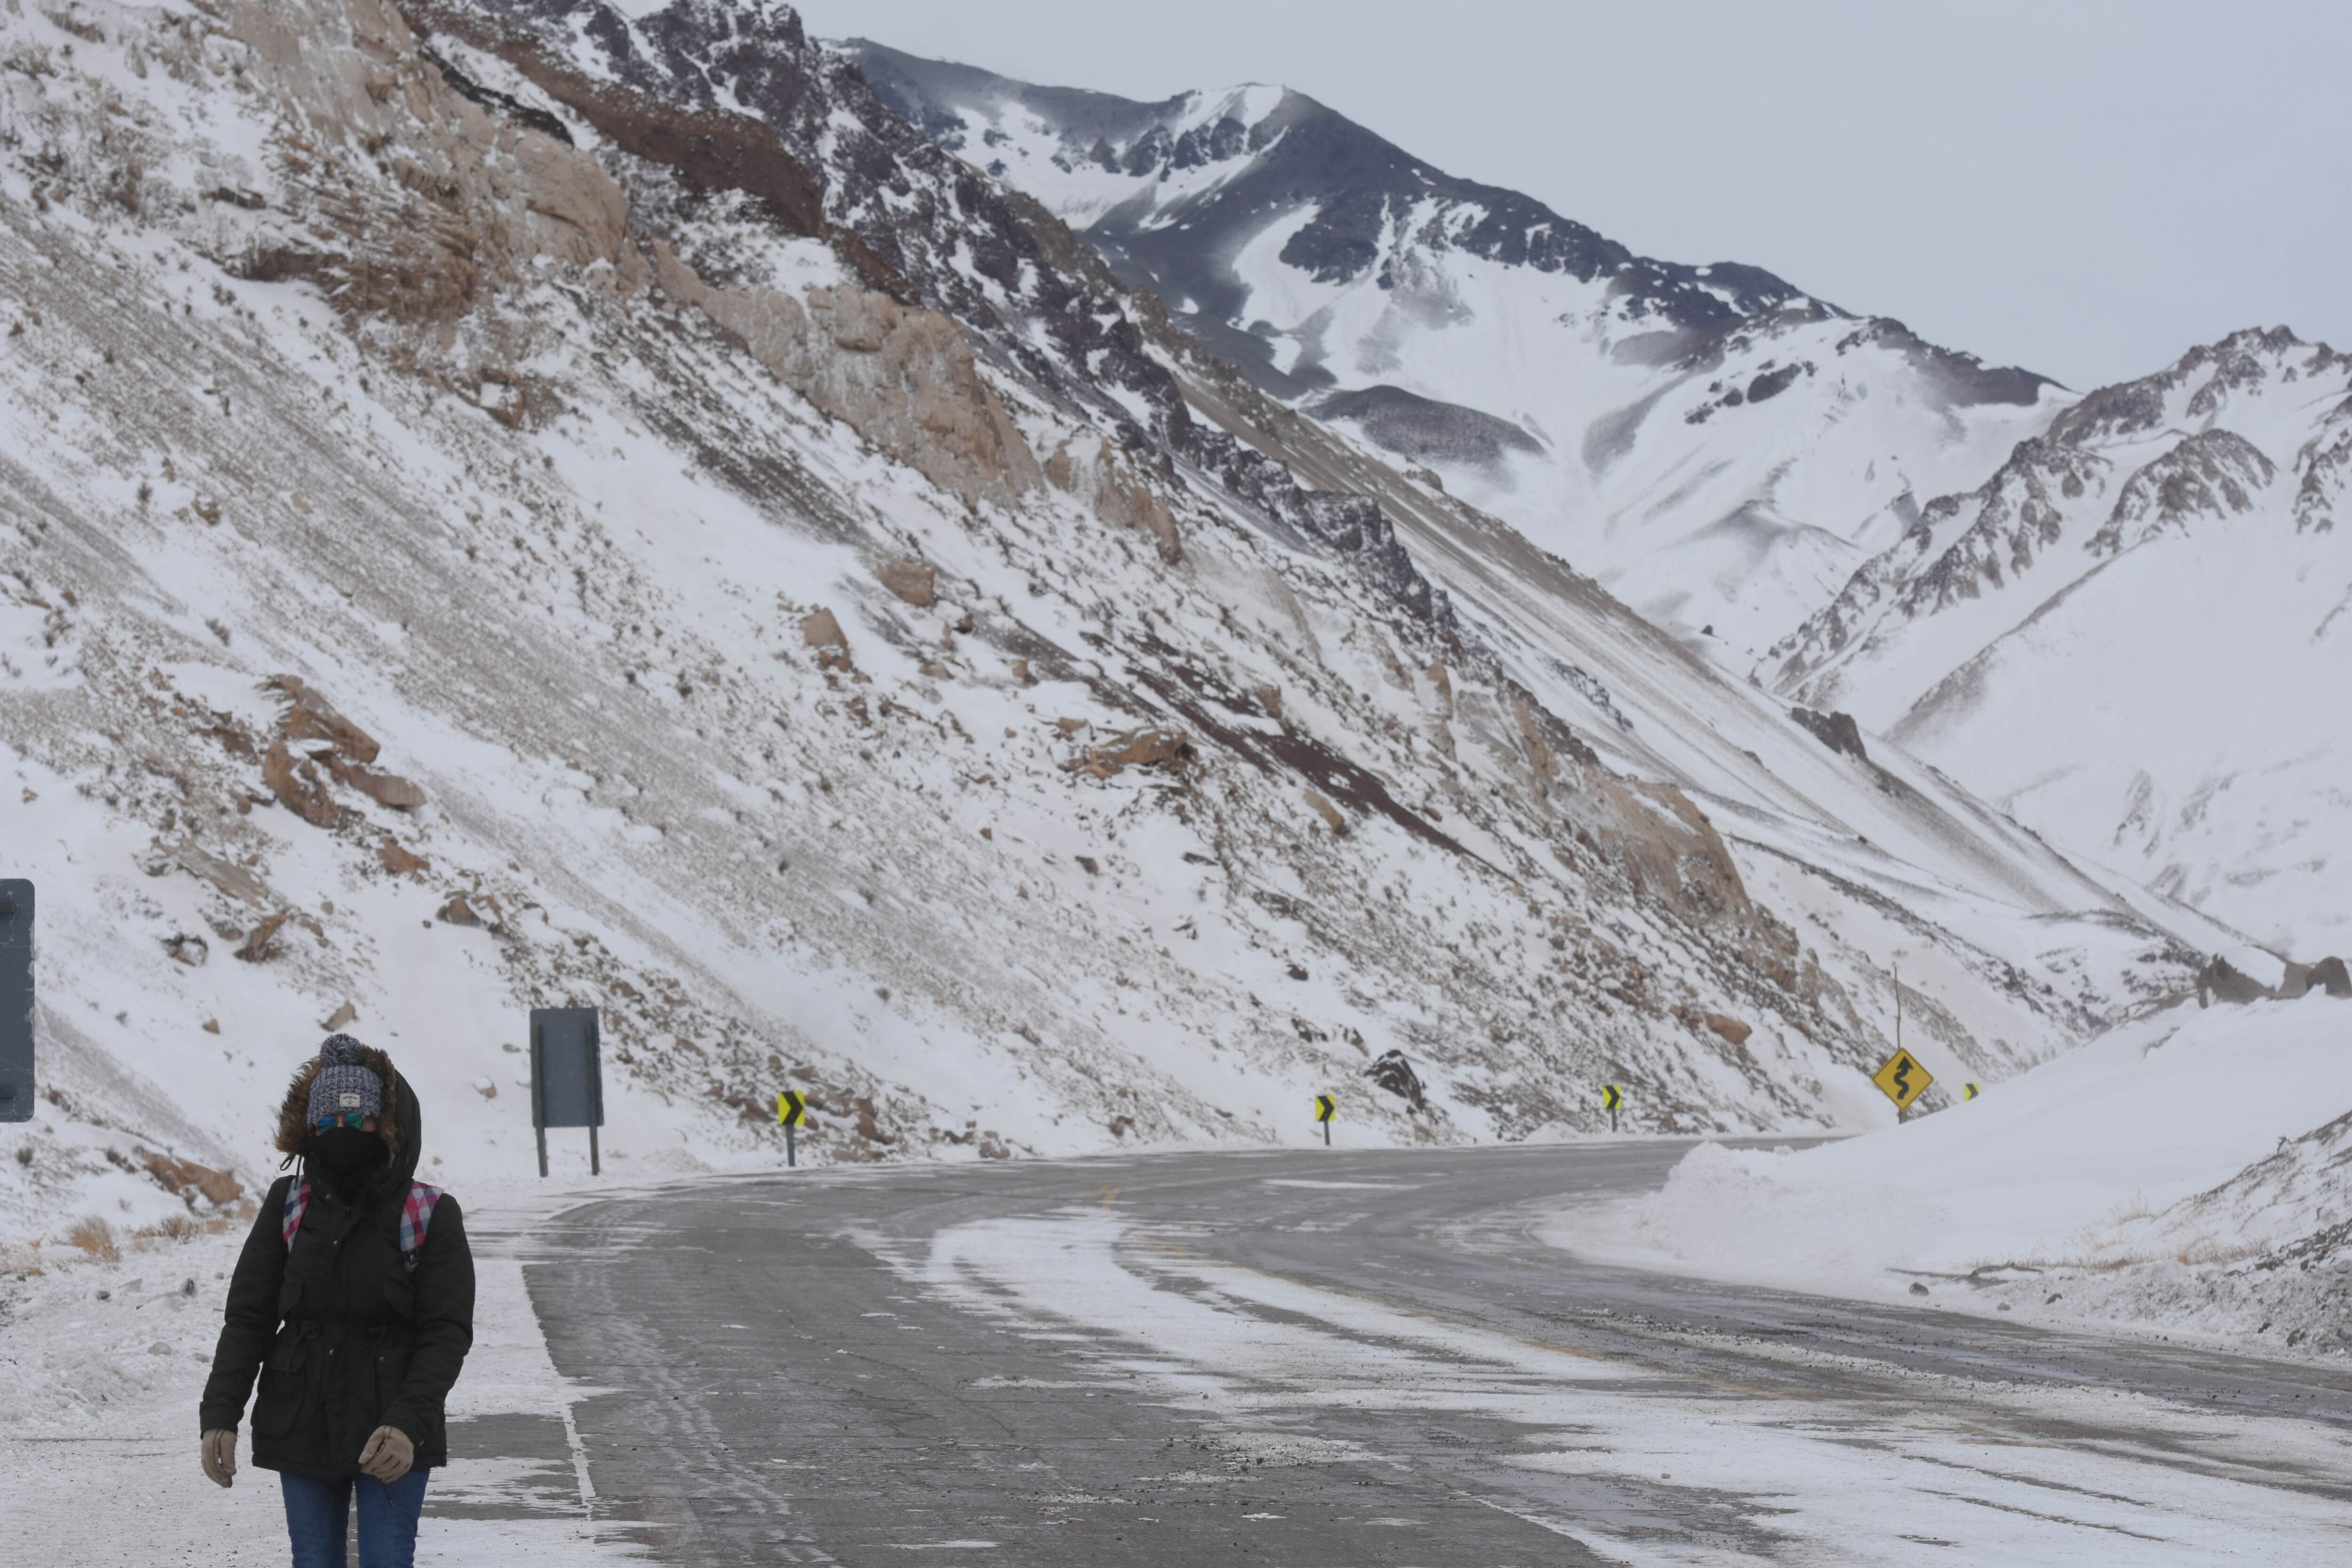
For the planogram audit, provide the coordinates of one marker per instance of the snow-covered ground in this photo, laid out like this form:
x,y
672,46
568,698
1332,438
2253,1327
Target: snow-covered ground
x,y
2184,1175
102,1360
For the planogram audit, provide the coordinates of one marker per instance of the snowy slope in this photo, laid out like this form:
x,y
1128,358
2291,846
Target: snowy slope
x,y
1880,862
516,505
2184,1173
2137,635
1716,447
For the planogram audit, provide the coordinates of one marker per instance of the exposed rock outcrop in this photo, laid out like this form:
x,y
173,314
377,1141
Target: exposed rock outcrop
x,y
1395,1073
821,630
1732,1030
912,581
310,717
902,378
1838,732
1148,747
300,788
1116,493
311,720
2328,976
2222,980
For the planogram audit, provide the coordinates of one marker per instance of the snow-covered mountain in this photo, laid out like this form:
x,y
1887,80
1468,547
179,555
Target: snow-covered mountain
x,y
1719,448
2136,635
2115,616
520,501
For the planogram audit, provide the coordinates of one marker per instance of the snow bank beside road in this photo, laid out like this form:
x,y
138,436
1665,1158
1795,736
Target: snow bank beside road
x,y
2183,1175
102,1360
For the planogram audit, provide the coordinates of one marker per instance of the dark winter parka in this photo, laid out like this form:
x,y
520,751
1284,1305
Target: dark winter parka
x,y
346,1338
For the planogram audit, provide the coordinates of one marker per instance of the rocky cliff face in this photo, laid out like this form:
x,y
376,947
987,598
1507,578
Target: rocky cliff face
x,y
522,504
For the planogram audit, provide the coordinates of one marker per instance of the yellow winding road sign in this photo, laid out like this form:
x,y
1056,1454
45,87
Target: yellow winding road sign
x,y
1970,1091
1901,1079
1325,1108
1612,1097
791,1109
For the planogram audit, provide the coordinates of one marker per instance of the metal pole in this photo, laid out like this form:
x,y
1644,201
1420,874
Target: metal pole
x,y
597,1090
538,1112
1899,1026
1612,1119
792,1151
1327,1132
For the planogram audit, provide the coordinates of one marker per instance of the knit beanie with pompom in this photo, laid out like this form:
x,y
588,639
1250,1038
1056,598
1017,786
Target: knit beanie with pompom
x,y
343,1084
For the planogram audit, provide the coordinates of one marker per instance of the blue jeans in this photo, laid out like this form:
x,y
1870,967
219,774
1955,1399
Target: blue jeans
x,y
315,1512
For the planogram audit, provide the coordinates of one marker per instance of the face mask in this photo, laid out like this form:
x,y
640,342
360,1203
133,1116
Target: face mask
x,y
346,1151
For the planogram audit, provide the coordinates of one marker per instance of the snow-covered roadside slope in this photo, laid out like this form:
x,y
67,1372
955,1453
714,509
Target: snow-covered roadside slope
x,y
2137,637
2166,1178
1717,447
2051,955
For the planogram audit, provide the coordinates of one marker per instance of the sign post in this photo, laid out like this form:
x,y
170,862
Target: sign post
x,y
790,1110
16,1001
1901,1079
1613,1099
1325,1108
567,1077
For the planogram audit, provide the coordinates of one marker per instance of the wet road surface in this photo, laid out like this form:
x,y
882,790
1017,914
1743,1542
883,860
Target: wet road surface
x,y
1315,1357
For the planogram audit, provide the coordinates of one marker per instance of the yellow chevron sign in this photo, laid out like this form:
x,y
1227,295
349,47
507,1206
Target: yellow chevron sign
x,y
1901,1079
1612,1097
1325,1108
1970,1091
791,1109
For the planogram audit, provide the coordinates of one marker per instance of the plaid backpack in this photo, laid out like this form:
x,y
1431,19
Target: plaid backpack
x,y
415,1213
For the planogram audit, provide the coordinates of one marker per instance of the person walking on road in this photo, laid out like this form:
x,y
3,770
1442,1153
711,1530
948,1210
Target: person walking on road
x,y
354,1299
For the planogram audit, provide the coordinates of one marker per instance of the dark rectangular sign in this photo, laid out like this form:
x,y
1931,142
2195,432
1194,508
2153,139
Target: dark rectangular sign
x,y
16,1001
567,1079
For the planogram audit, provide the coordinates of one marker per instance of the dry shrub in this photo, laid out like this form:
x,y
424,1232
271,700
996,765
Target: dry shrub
x,y
95,1236
176,1228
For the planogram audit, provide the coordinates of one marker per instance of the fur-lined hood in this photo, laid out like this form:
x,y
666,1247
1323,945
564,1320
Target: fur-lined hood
x,y
399,1124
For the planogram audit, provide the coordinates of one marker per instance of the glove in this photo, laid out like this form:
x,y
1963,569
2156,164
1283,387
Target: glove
x,y
388,1454
219,1454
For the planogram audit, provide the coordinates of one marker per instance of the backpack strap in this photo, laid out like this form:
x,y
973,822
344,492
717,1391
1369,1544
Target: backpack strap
x,y
415,1213
298,1198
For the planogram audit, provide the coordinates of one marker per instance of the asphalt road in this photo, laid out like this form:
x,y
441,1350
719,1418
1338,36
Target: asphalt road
x,y
1358,1358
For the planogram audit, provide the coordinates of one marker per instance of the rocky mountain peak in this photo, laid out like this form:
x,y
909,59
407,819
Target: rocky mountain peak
x,y
1538,368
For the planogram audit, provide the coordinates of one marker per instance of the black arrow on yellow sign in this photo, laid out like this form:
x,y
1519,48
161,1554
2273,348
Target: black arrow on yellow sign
x,y
1901,1079
1325,1108
1613,1099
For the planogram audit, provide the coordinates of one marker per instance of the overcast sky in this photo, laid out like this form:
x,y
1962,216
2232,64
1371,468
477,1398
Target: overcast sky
x,y
2084,188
